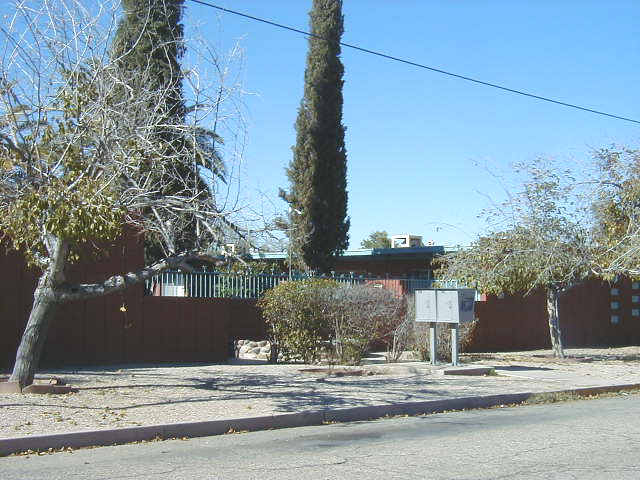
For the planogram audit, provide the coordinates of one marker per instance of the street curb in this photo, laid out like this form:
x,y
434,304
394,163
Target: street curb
x,y
117,436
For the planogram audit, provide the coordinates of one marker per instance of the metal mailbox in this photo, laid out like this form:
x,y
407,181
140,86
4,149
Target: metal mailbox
x,y
445,305
449,306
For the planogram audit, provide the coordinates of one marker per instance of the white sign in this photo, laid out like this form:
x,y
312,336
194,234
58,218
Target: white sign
x,y
445,306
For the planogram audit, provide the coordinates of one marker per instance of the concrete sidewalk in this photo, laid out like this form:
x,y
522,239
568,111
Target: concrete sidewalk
x,y
140,402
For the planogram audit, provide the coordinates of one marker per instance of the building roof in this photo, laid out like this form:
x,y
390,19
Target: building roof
x,y
369,254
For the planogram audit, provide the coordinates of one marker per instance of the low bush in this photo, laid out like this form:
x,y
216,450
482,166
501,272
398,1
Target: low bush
x,y
361,315
315,320
297,316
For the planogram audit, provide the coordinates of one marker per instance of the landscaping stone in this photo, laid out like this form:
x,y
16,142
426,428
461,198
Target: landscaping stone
x,y
253,350
9,387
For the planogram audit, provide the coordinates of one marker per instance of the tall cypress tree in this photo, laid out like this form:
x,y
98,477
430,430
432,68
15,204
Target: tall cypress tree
x,y
150,39
149,46
317,172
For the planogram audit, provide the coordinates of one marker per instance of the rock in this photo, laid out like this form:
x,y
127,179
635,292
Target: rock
x,y
253,350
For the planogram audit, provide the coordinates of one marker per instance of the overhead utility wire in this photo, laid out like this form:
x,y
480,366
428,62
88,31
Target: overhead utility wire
x,y
419,65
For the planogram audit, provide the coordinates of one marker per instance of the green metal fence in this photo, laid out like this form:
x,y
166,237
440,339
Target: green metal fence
x,y
233,285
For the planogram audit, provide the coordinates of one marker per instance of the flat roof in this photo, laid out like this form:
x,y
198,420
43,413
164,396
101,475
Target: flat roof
x,y
368,253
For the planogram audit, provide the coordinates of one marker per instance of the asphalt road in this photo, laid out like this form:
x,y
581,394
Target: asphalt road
x,y
591,439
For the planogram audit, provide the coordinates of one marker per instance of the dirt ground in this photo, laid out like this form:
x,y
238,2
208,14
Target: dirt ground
x,y
146,394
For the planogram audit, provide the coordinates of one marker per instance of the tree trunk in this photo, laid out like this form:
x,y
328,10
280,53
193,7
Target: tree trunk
x,y
44,308
554,322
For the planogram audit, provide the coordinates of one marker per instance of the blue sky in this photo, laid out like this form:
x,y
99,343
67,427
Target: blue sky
x,y
420,145
424,149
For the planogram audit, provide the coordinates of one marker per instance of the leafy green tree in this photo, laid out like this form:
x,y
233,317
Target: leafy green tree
x,y
545,243
616,211
377,239
317,172
559,231
149,38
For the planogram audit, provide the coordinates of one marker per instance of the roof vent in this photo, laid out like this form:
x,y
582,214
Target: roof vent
x,y
406,241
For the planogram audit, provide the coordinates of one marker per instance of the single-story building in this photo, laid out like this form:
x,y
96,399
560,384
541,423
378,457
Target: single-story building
x,y
411,260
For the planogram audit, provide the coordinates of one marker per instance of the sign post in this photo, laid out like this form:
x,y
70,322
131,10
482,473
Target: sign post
x,y
433,339
454,343
451,306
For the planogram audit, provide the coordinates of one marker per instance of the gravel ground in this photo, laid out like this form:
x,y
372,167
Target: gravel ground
x,y
132,395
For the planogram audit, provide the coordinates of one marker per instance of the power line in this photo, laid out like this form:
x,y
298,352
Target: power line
x,y
419,65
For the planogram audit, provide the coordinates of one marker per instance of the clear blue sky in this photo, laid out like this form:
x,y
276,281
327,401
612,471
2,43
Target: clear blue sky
x,y
420,145
418,142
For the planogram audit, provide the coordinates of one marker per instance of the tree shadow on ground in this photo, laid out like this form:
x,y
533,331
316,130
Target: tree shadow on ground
x,y
290,393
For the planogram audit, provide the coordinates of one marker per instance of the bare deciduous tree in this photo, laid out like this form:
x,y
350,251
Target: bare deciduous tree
x,y
361,315
81,158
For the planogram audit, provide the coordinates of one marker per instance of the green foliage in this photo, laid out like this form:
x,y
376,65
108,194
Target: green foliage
x,y
319,319
256,267
377,239
317,172
47,191
617,211
297,317
64,214
149,38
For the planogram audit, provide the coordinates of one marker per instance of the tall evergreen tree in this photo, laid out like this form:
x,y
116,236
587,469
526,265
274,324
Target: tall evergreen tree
x,y
317,173
149,45
150,39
